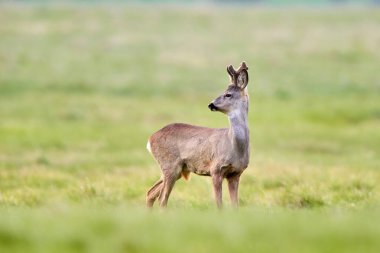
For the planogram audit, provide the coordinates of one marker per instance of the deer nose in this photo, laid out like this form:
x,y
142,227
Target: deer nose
x,y
212,107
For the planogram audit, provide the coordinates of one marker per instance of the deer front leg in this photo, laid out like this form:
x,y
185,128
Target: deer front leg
x,y
233,187
217,181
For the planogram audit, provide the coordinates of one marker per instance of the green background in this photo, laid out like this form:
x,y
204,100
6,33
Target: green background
x,y
83,87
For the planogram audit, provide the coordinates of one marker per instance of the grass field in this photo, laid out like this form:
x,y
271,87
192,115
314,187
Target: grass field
x,y
82,88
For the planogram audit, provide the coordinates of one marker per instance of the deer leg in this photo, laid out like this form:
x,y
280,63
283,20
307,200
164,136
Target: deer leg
x,y
233,187
217,181
169,182
153,193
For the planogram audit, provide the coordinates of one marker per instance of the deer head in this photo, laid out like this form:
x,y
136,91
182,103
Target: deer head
x,y
236,96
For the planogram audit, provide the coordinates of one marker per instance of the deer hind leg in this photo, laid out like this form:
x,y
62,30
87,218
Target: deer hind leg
x,y
153,193
170,177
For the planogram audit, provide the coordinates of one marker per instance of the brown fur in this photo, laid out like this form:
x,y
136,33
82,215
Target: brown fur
x,y
220,153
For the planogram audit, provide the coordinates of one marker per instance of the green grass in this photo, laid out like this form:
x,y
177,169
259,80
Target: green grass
x,y
130,230
82,88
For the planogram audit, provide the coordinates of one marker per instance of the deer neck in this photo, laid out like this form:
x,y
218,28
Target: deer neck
x,y
239,131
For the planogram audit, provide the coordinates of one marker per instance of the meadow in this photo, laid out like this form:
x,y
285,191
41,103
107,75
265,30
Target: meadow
x,y
83,87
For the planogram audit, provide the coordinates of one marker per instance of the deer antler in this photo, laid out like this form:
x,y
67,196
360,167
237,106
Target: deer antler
x,y
232,72
242,66
235,73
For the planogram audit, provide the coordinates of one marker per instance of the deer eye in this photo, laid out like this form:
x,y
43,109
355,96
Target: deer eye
x,y
228,95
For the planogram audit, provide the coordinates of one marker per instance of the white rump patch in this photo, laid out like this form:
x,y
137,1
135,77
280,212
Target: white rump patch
x,y
148,147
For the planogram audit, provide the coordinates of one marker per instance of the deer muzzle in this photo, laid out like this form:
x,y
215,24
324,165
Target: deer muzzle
x,y
212,107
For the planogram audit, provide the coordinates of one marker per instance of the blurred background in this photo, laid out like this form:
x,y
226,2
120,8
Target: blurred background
x,y
83,84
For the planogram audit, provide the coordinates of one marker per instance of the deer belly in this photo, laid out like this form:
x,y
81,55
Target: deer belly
x,y
202,173
199,168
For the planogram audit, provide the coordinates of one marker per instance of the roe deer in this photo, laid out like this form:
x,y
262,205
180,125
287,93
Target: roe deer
x,y
220,153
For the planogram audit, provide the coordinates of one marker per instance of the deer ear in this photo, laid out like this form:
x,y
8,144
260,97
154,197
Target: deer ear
x,y
242,79
231,71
